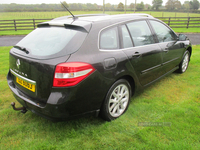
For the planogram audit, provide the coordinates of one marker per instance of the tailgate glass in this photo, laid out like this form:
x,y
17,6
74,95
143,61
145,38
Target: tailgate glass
x,y
51,42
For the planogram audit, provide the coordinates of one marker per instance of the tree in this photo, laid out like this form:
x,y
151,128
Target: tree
x,y
108,6
177,4
66,5
186,5
140,6
95,6
147,6
194,4
120,6
173,4
73,6
156,4
80,6
131,6
89,6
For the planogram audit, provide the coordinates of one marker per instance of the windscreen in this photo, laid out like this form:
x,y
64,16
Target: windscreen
x,y
51,42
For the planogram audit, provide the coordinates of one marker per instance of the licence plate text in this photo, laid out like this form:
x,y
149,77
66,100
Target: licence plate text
x,y
25,84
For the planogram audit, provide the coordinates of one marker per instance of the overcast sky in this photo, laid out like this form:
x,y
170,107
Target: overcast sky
x,y
100,2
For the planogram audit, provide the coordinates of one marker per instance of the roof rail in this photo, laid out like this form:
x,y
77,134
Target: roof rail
x,y
147,15
138,14
87,15
83,15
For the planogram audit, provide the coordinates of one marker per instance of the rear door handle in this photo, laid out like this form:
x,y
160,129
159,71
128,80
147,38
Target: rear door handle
x,y
136,55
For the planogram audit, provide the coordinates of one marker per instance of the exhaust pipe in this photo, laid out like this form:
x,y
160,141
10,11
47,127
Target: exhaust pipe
x,y
23,109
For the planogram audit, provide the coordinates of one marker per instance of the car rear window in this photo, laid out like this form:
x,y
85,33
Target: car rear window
x,y
51,42
109,39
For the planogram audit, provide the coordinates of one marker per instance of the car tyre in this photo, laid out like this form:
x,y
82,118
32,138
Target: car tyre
x,y
185,62
117,100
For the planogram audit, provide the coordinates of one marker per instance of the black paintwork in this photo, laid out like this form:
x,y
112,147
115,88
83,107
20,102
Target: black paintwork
x,y
140,65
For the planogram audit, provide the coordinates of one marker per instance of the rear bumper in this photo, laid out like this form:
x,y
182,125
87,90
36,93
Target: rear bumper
x,y
62,104
53,112
50,111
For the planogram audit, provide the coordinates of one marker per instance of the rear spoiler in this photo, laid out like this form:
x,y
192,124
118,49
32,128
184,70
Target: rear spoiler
x,y
77,25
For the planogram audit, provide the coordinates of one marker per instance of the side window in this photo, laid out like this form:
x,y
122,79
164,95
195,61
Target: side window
x,y
109,39
163,33
126,38
140,33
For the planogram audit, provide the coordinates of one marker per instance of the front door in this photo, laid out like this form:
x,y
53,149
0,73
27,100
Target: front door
x,y
172,49
145,55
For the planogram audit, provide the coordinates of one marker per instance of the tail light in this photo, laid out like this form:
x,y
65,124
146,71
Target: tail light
x,y
70,74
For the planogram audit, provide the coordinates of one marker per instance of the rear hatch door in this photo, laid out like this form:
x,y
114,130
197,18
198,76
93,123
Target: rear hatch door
x,y
34,58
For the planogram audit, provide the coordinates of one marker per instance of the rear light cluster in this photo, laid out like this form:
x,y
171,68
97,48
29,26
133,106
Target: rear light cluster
x,y
72,73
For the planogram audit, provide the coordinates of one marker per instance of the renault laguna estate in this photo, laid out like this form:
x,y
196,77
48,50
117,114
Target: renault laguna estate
x,y
92,64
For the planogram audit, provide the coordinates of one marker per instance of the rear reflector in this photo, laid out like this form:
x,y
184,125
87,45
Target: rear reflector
x,y
70,74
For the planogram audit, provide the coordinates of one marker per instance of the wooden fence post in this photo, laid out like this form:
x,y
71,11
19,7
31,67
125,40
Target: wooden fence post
x,y
34,23
188,22
15,25
169,21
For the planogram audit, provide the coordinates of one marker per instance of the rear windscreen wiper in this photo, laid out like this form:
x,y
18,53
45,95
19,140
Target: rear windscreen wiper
x,y
21,48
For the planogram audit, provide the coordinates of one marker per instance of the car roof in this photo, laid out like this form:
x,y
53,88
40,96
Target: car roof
x,y
86,20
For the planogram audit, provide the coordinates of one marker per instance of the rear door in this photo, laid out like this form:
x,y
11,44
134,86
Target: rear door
x,y
145,55
172,49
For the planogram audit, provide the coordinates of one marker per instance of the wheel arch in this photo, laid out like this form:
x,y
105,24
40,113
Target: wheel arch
x,y
190,50
131,81
104,111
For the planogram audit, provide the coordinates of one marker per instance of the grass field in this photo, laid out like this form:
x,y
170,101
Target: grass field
x,y
42,15
171,106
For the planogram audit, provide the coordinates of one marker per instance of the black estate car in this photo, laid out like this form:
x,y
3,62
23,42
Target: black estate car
x,y
72,66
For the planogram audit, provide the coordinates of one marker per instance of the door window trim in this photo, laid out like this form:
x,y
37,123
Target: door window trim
x,y
119,34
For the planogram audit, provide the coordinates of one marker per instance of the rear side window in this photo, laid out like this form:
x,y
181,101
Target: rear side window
x,y
51,42
140,33
109,39
164,34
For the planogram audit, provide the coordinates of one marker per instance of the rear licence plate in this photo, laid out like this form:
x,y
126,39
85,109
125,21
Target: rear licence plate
x,y
25,84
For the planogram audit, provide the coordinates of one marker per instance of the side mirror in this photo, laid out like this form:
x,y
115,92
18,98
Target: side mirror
x,y
182,37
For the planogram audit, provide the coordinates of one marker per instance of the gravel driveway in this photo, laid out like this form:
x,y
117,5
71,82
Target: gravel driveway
x,y
194,38
12,40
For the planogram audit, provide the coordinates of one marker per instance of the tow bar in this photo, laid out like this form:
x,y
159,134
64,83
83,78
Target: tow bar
x,y
23,109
